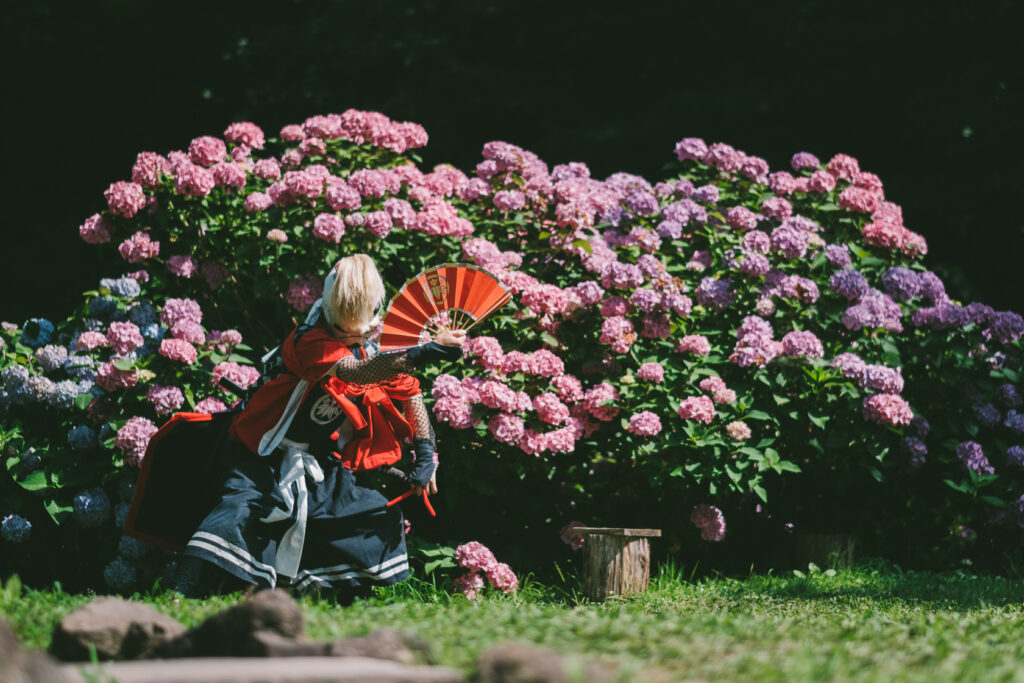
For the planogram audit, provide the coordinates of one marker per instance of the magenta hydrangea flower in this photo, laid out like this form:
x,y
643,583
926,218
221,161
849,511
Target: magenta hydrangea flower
x,y
133,438
211,405
644,423
124,337
651,372
111,379
207,150
179,350
469,584
175,310
802,344
887,409
245,133
741,217
698,408
125,199
303,291
165,400
710,521
475,557
138,248
182,265
696,344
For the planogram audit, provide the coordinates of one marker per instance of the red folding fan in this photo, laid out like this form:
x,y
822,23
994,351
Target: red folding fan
x,y
453,296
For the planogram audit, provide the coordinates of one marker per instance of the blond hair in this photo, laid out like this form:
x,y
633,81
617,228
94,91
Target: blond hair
x,y
357,292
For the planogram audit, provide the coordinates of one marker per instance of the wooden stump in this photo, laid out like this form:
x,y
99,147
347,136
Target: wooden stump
x,y
825,550
616,561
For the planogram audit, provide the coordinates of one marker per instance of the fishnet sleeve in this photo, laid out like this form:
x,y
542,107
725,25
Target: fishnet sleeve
x,y
377,368
419,417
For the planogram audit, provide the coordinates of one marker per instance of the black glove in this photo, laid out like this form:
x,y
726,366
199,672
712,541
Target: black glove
x,y
424,354
424,466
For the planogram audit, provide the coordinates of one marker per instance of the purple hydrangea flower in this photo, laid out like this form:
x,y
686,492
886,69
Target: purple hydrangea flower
x,y
849,284
82,437
708,194
754,264
973,457
988,415
1006,327
789,240
51,357
943,316
642,203
803,160
124,287
932,287
757,241
671,230
875,310
901,284
1014,421
715,294
1015,456
1009,396
838,255
883,378
917,450
850,365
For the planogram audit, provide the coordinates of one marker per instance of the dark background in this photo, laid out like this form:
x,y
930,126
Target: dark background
x,y
928,95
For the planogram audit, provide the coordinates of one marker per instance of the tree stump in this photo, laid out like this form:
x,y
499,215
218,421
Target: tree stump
x,y
825,550
616,561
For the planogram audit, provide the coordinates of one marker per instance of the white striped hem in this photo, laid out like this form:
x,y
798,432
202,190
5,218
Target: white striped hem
x,y
395,565
233,554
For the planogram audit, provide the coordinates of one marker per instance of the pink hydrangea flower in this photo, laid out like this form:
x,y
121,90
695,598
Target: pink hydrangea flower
x,y
149,168
544,363
165,400
887,409
651,372
215,274
245,133
179,350
207,150
533,443
110,379
303,291
475,557
229,174
712,384
182,265
596,398
138,248
125,199
569,388
570,537
644,423
277,235
506,428
696,344
194,181
87,341
257,201
724,397
95,230
438,217
180,309
210,406
454,412
329,227
738,431
802,344
124,337
503,578
242,375
710,521
550,409
133,438
378,223
699,408
619,333
469,584
268,169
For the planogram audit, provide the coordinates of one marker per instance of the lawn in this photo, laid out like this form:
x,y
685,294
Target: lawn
x,y
871,622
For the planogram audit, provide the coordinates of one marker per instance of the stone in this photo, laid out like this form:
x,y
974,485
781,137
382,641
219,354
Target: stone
x,y
250,670
525,663
232,633
110,624
18,665
384,643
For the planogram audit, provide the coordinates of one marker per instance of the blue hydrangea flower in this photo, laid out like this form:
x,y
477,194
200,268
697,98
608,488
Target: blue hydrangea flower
x,y
91,507
102,307
81,367
120,574
38,389
125,287
132,548
82,437
13,376
988,415
30,461
36,332
121,514
5,400
64,394
143,313
94,325
153,331
51,357
15,529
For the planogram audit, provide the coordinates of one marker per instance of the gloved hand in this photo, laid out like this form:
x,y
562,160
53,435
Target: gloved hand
x,y
423,468
424,354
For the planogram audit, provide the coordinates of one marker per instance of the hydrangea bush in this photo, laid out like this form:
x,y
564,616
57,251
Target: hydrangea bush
x,y
726,340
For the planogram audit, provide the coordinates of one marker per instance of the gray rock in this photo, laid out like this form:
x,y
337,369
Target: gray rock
x,y
18,665
115,627
384,643
232,633
248,670
525,663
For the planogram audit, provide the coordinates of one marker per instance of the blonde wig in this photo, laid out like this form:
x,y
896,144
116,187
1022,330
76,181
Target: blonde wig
x,y
353,292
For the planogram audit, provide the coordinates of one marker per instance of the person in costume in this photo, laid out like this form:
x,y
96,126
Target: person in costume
x,y
296,505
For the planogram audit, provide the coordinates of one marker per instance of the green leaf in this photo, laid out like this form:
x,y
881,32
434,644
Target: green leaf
x,y
583,244
787,466
124,365
992,500
818,420
549,339
757,415
239,359
58,513
761,493
962,487
35,481
82,401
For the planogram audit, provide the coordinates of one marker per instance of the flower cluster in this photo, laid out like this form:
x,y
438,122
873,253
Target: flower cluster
x,y
479,563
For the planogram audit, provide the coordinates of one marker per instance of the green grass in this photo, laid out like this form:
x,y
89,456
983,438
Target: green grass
x,y
873,622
